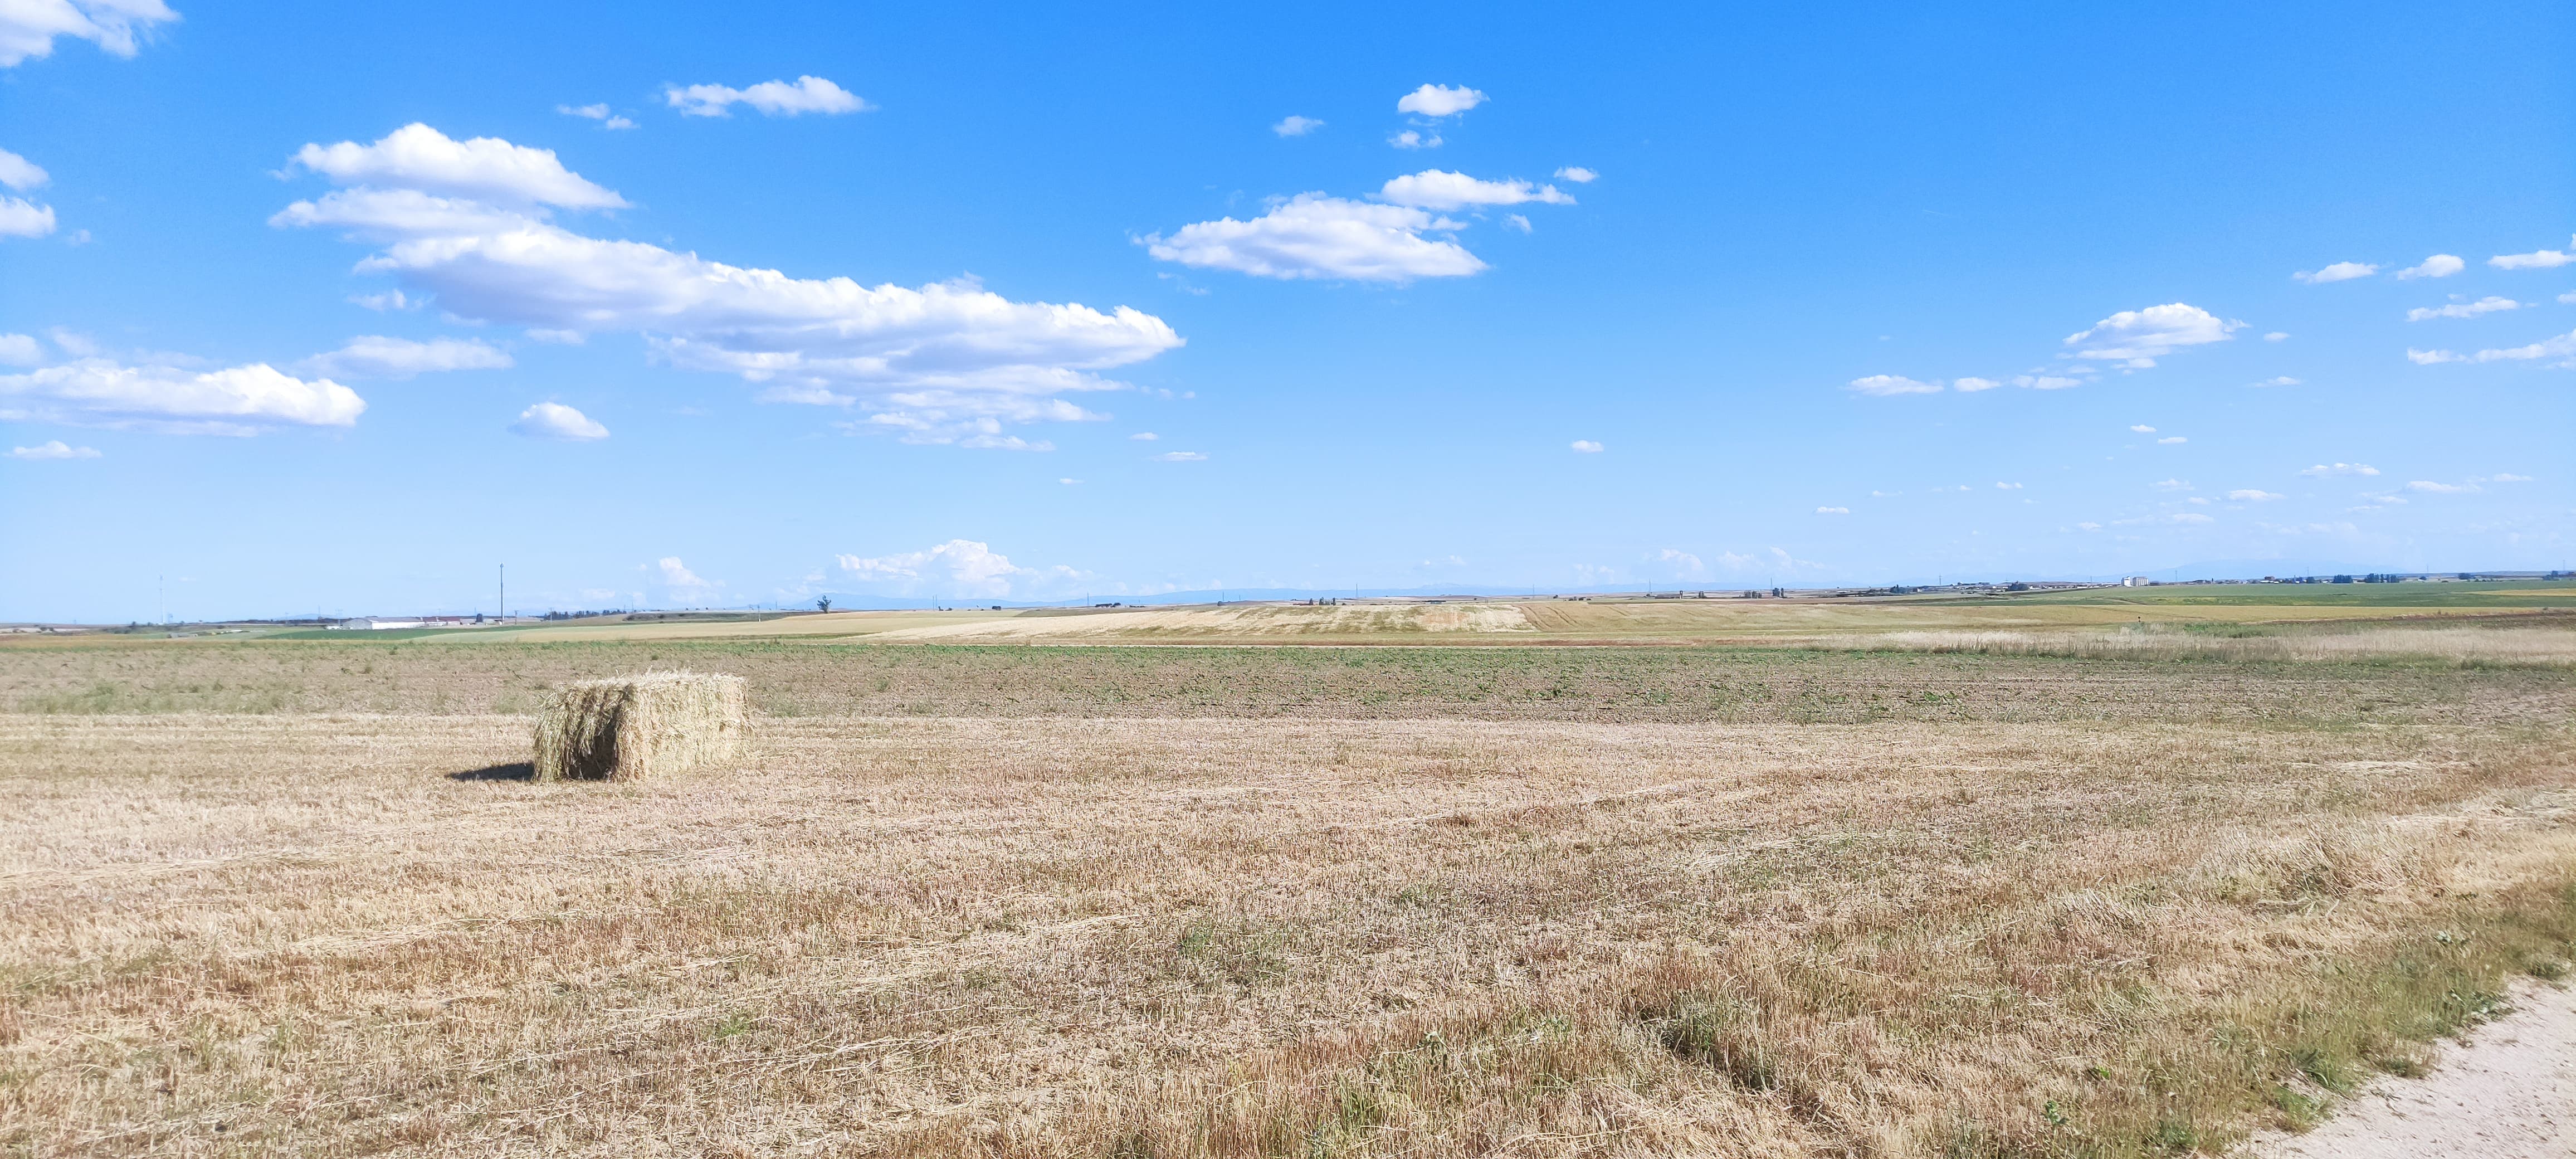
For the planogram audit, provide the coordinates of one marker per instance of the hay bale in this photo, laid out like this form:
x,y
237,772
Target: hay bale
x,y
640,727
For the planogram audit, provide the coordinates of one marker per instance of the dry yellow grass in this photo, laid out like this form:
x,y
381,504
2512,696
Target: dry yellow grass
x,y
343,934
2546,647
636,728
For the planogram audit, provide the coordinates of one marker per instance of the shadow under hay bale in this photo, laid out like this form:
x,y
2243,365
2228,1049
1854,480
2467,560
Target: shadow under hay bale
x,y
514,771
640,727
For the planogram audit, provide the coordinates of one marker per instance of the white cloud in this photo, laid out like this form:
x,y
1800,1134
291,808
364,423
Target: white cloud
x,y
56,449
2538,260
2429,487
2139,337
1070,482
1180,457
1517,222
1586,447
237,400
1144,436
2432,357
20,350
1409,139
2044,382
2338,272
2090,526
675,574
489,169
2280,380
1294,126
1833,511
2277,336
1682,561
599,113
2007,486
389,300
2561,346
2567,299
22,218
558,337
2197,500
553,420
2142,428
1577,174
2172,485
940,360
19,173
2252,495
2486,305
1885,385
2436,266
957,567
2508,477
376,356
2191,517
776,98
1314,236
2171,440
1973,385
2322,470
1439,101
1444,190
28,27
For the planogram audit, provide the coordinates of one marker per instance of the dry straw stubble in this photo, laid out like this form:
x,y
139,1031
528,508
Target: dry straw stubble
x,y
642,727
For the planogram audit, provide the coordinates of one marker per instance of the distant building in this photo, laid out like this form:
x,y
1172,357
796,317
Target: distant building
x,y
2135,581
378,623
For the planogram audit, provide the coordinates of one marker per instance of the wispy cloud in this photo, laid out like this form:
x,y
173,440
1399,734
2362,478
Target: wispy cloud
x,y
2338,272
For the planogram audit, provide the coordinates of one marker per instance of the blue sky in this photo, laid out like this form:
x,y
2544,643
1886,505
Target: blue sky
x,y
309,308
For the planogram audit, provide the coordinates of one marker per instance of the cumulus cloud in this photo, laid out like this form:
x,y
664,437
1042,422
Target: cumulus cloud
x,y
2007,486
2338,272
389,300
1314,236
1180,457
1295,126
1409,139
20,350
2142,428
941,362
2045,381
553,420
1439,101
376,356
20,217
237,400
56,449
2322,470
1973,385
957,567
28,27
675,574
1577,174
2486,305
1586,447
2253,495
2436,266
2537,260
1444,190
599,113
2139,337
2432,357
19,173
417,157
776,98
2562,346
1833,511
1885,385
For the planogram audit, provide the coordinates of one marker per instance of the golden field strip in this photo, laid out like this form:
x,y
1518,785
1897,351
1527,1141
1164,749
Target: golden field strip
x,y
1913,898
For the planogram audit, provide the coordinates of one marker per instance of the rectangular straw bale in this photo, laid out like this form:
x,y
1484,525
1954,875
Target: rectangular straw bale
x,y
637,728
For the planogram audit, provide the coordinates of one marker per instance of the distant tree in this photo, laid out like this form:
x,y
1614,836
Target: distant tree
x,y
823,604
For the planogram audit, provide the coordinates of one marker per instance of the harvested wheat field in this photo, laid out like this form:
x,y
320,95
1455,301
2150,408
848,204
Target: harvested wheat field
x,y
306,898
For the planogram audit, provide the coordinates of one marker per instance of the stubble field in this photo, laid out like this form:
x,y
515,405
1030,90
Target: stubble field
x,y
297,897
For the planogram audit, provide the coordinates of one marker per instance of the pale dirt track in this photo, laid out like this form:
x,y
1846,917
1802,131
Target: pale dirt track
x,y
2509,1093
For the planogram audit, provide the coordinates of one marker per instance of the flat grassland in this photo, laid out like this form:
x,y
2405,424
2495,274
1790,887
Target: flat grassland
x,y
1897,899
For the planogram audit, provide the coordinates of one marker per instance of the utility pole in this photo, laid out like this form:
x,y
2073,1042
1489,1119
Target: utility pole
x,y
505,591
